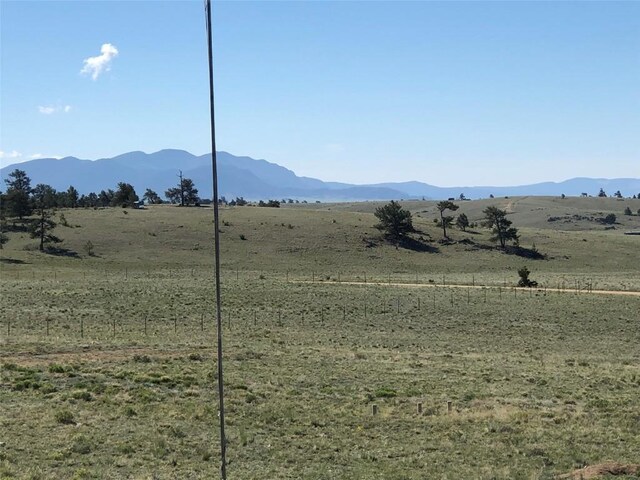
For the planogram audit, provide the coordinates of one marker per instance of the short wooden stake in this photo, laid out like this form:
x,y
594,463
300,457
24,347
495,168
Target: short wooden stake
x,y
449,406
419,408
81,327
374,409
202,322
145,324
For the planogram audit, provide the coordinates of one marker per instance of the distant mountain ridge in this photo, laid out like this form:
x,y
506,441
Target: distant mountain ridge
x,y
259,179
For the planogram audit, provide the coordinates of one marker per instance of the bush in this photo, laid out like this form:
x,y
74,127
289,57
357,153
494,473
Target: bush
x,y
627,211
64,417
524,278
610,219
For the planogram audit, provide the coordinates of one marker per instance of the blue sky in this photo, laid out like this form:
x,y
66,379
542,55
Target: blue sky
x,y
449,93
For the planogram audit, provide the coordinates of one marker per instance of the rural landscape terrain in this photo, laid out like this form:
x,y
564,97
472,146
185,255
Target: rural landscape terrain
x,y
347,355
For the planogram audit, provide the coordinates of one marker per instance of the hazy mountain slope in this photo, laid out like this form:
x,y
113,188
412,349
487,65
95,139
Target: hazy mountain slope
x,y
260,179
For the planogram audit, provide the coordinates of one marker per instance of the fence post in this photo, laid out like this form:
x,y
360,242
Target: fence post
x,y
145,325
81,327
202,322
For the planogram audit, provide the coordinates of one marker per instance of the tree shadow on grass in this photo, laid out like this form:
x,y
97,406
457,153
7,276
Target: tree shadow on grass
x,y
417,245
530,253
61,252
13,261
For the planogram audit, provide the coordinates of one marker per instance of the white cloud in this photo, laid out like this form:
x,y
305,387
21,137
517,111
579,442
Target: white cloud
x,y
36,155
7,158
11,155
51,109
102,63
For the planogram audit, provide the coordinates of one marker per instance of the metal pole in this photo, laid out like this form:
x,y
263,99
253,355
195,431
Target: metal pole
x,y
216,236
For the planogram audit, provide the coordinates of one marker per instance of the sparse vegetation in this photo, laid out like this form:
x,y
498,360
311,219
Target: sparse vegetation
x,y
128,378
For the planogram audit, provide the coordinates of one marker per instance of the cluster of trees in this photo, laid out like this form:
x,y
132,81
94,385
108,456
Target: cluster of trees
x,y
33,208
396,222
21,201
618,194
269,203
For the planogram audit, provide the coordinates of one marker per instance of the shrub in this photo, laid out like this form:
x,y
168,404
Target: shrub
x,y
524,278
627,211
64,417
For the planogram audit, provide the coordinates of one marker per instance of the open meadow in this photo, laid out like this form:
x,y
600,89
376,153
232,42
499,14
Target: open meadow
x,y
107,360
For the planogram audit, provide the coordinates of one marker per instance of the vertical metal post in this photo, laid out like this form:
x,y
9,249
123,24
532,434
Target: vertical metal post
x,y
216,236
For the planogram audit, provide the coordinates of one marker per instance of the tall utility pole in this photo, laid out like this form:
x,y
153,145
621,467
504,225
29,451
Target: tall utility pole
x,y
216,236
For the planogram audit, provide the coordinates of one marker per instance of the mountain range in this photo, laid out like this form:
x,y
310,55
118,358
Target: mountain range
x,y
259,179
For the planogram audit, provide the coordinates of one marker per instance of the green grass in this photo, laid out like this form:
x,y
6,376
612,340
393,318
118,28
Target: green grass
x,y
541,382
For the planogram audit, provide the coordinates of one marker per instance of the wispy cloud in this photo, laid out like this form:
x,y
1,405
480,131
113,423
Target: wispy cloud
x,y
10,155
7,158
51,109
95,66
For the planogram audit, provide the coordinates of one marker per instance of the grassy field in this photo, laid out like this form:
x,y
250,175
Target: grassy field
x,y
107,368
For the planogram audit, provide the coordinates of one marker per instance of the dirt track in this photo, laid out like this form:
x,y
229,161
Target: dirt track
x,y
480,287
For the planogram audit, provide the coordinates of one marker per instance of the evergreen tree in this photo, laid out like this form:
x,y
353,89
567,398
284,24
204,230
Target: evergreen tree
x,y
394,220
496,219
446,221
151,197
125,196
462,222
16,200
